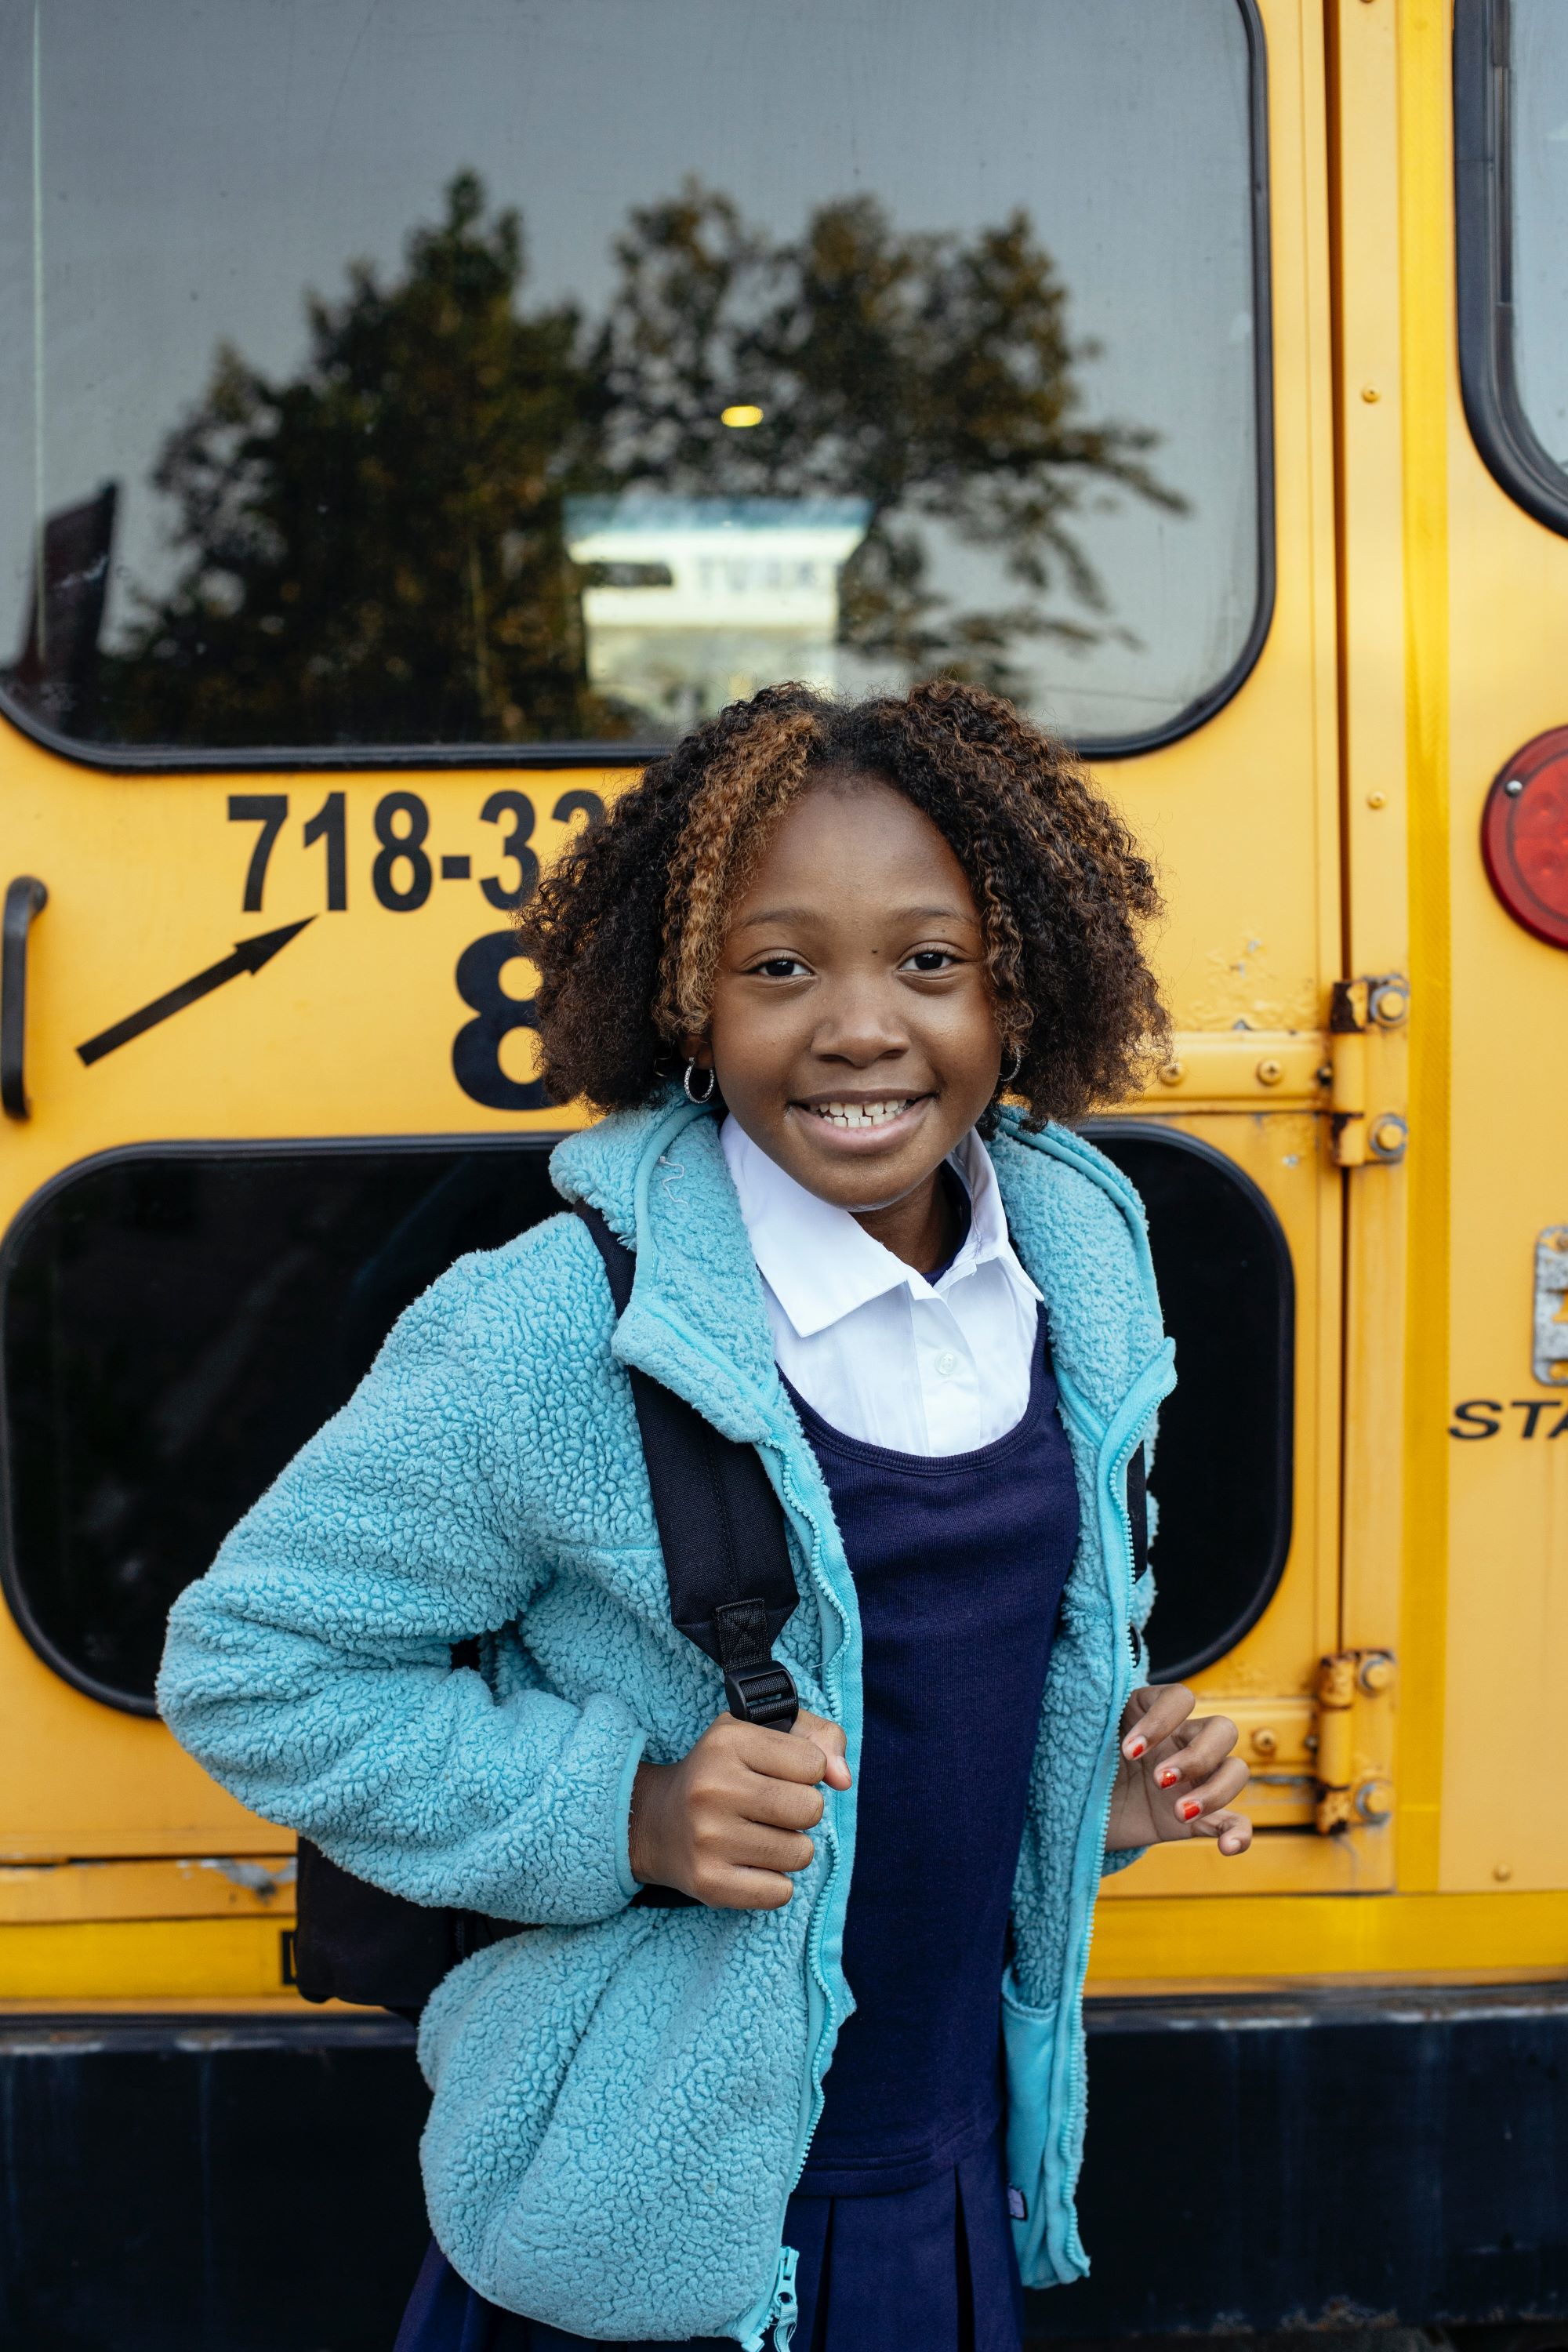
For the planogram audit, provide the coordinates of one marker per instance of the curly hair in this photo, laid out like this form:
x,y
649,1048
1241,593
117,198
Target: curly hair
x,y
627,928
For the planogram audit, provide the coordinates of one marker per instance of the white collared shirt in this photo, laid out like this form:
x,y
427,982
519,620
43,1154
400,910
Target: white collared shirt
x,y
877,1350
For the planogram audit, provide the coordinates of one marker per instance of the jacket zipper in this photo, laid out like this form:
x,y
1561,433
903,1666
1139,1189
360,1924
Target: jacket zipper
x,y
833,1690
1117,1473
783,2307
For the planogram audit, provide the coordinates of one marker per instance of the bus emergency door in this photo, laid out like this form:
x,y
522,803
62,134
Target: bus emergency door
x,y
383,489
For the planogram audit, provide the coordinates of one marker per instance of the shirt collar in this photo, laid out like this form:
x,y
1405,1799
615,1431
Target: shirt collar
x,y
820,1265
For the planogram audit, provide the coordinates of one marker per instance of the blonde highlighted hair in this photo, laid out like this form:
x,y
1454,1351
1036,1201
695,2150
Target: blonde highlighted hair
x,y
628,929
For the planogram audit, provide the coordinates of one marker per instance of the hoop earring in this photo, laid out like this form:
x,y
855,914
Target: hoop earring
x,y
1009,1075
691,1093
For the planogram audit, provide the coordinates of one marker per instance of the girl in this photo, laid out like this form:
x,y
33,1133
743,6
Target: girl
x,y
842,2090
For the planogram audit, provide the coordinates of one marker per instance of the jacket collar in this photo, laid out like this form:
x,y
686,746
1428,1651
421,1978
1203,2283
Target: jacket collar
x,y
698,1321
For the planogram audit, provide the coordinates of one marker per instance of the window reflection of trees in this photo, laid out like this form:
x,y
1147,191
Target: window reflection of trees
x,y
374,550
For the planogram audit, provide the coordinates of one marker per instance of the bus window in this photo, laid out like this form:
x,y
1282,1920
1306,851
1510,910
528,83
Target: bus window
x,y
1510,100
175,1323
1222,1474
442,374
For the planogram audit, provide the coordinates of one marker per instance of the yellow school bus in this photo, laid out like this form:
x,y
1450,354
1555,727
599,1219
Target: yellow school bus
x,y
418,416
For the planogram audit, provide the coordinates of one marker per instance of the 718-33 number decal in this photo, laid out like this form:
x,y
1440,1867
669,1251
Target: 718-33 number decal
x,y
402,875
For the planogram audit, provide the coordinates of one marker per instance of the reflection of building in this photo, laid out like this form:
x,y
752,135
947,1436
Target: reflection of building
x,y
690,602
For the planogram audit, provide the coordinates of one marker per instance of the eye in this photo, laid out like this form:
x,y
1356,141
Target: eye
x,y
779,966
929,960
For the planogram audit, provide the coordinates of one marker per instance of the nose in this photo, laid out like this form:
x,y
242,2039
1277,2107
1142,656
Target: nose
x,y
860,1023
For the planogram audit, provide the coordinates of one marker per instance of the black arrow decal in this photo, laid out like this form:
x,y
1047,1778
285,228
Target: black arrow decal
x,y
249,955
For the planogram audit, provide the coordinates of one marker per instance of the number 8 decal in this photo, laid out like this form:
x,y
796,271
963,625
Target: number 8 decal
x,y
402,849
476,1048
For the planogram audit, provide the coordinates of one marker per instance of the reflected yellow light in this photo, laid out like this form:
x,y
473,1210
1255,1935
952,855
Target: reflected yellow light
x,y
743,413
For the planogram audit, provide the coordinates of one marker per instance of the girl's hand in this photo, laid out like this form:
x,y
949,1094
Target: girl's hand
x,y
728,1823
1177,1776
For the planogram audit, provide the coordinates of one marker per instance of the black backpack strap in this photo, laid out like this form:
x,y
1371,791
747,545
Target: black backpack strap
x,y
732,1588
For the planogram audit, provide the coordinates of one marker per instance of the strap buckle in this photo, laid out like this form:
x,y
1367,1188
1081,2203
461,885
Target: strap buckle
x,y
759,1690
766,1695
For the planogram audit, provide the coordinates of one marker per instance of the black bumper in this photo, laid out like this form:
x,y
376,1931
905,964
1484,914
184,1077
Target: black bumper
x,y
250,2185
1311,2159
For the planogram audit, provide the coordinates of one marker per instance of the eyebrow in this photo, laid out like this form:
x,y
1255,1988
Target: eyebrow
x,y
949,914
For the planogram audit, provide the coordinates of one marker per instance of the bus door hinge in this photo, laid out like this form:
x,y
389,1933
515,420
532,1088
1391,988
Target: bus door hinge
x,y
1352,1737
1362,1010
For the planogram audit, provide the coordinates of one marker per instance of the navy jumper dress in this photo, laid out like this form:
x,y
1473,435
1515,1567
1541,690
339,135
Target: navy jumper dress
x,y
900,2216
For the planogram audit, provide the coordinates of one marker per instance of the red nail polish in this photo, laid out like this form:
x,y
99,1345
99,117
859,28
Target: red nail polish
x,y
1135,1748
1189,1808
1168,1775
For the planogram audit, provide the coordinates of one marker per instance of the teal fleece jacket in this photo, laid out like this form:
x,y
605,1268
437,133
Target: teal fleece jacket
x,y
623,2099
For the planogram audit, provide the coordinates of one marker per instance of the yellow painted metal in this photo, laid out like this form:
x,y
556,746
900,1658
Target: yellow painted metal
x,y
1369,397
1301,1937
283,2003
79,1778
1425,295
347,1032
1497,624
1269,1067
1199,1935
1305,835
142,1959
194,1886
1294,1860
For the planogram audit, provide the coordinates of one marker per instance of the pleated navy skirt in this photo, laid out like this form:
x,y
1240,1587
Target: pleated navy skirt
x,y
923,2269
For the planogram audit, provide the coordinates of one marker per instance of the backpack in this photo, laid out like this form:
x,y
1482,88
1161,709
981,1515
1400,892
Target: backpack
x,y
731,1591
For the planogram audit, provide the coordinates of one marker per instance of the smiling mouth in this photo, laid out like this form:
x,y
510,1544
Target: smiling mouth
x,y
849,1114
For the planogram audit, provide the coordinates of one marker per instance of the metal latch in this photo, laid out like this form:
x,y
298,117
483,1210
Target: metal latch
x,y
1354,1691
1361,1008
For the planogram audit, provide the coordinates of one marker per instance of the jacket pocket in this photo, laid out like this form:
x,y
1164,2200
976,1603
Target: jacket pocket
x,y
615,2110
1029,2042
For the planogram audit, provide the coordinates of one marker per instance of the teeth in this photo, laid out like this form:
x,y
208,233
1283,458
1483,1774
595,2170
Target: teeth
x,y
876,1114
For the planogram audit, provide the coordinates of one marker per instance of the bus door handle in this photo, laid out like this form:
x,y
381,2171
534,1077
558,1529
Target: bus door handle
x,y
25,898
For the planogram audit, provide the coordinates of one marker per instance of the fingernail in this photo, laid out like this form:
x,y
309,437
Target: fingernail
x,y
1189,1808
1168,1775
1134,1748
